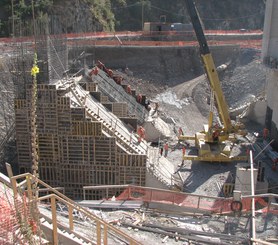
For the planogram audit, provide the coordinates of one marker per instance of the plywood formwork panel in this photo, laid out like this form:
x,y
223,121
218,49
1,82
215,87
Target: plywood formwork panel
x,y
63,102
64,115
50,173
73,149
20,104
87,128
105,150
48,147
78,114
47,118
132,175
91,86
104,99
120,109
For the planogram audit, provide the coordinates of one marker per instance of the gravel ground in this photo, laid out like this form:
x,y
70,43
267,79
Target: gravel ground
x,y
187,104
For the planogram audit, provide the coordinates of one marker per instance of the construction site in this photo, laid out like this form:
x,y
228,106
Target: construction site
x,y
143,137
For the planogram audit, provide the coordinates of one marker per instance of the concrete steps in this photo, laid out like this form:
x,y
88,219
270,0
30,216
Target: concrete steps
x,y
64,235
117,93
99,113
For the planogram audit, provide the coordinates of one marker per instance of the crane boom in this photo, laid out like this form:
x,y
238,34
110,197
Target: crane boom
x,y
210,69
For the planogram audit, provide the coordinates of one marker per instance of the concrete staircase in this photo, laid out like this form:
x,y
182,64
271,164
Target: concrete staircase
x,y
112,125
159,167
163,170
65,227
116,93
65,236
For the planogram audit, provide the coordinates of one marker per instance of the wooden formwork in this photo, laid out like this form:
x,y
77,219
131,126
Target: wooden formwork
x,y
23,140
120,109
91,86
87,128
78,113
104,99
132,169
73,150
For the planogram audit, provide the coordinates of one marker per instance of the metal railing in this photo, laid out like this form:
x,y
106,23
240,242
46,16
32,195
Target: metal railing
x,y
109,118
103,229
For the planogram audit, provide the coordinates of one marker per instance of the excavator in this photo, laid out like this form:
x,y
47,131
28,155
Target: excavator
x,y
215,142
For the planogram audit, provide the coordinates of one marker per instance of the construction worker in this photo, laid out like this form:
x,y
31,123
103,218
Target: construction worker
x,y
183,150
166,149
118,79
139,98
109,72
265,133
161,150
100,65
155,108
141,134
128,89
215,135
94,71
180,131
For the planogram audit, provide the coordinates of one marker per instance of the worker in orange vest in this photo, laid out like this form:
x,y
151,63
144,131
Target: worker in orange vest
x,y
139,98
183,150
100,65
166,149
180,131
128,89
94,71
109,72
141,133
265,133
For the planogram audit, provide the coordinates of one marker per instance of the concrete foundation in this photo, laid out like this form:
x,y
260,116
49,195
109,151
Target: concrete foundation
x,y
243,178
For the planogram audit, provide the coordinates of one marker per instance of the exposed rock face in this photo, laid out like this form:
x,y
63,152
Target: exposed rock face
x,y
84,16
215,14
74,16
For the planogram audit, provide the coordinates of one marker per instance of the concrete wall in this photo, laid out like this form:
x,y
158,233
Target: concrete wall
x,y
243,178
270,49
272,103
270,36
257,112
153,182
167,65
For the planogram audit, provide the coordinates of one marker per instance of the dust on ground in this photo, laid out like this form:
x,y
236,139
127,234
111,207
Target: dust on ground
x,y
188,105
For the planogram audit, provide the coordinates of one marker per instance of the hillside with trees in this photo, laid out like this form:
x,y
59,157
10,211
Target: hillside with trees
x,y
119,15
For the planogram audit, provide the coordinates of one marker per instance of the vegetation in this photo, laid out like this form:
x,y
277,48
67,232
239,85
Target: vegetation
x,y
108,15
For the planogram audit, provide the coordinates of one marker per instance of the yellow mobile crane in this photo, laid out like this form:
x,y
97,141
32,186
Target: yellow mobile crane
x,y
214,142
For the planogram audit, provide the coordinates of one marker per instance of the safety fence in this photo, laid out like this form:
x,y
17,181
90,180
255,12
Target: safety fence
x,y
16,223
242,43
17,206
197,202
137,33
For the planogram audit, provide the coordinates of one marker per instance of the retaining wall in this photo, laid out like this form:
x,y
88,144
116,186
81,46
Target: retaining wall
x,y
168,65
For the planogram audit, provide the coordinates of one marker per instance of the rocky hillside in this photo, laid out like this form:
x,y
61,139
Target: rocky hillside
x,y
97,15
215,14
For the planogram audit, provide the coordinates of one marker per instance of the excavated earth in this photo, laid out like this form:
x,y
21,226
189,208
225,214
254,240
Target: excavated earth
x,y
185,101
187,104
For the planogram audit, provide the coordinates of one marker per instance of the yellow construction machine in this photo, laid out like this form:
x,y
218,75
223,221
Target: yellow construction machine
x,y
215,141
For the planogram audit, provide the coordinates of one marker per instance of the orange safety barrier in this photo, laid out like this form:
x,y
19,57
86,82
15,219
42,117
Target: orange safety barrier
x,y
242,43
15,218
204,203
